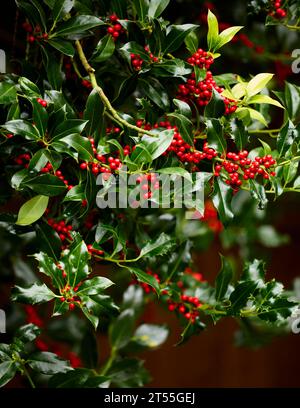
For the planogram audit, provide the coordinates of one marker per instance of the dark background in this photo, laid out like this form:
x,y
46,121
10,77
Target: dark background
x,y
211,359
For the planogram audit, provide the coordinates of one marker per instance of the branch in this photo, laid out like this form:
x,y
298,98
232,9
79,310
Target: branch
x,y
116,117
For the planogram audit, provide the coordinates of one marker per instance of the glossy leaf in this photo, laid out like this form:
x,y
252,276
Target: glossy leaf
x,y
32,210
223,279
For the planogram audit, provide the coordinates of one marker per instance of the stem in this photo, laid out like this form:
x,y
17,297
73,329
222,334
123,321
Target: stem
x,y
90,70
265,131
28,377
109,362
176,265
293,27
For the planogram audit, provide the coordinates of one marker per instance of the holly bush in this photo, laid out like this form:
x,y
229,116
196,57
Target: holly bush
x,y
111,90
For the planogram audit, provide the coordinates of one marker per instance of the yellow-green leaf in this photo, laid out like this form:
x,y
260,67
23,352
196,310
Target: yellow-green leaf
x,y
258,83
264,99
213,30
227,35
32,210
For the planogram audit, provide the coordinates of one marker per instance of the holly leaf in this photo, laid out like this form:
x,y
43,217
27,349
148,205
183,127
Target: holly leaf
x,y
48,363
32,210
223,279
36,293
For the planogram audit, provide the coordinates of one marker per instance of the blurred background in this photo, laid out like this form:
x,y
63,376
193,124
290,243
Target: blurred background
x,y
220,356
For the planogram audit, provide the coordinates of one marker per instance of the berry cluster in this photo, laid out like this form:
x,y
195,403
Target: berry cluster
x,y
42,102
23,159
239,167
201,92
62,229
34,34
201,59
69,294
210,217
115,29
196,275
148,182
94,251
151,56
277,12
136,62
187,307
101,164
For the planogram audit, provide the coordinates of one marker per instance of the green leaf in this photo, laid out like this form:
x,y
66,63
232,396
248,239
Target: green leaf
x,y
150,336
46,184
254,270
48,266
184,127
154,145
141,7
192,42
200,73
48,363
154,90
27,333
61,8
252,113
239,134
215,135
171,68
158,247
121,329
290,171
13,112
93,113
71,379
241,294
258,193
286,138
76,262
36,293
264,99
278,309
216,107
7,372
105,49
292,100
32,210
223,279
78,378
63,46
178,171
213,31
256,84
177,35
22,128
77,25
29,88
40,117
81,144
133,48
95,285
226,36
8,93
222,197
183,108
68,127
157,7
145,278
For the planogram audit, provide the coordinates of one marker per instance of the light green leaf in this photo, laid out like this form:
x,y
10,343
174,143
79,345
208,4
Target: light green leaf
x,y
32,210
